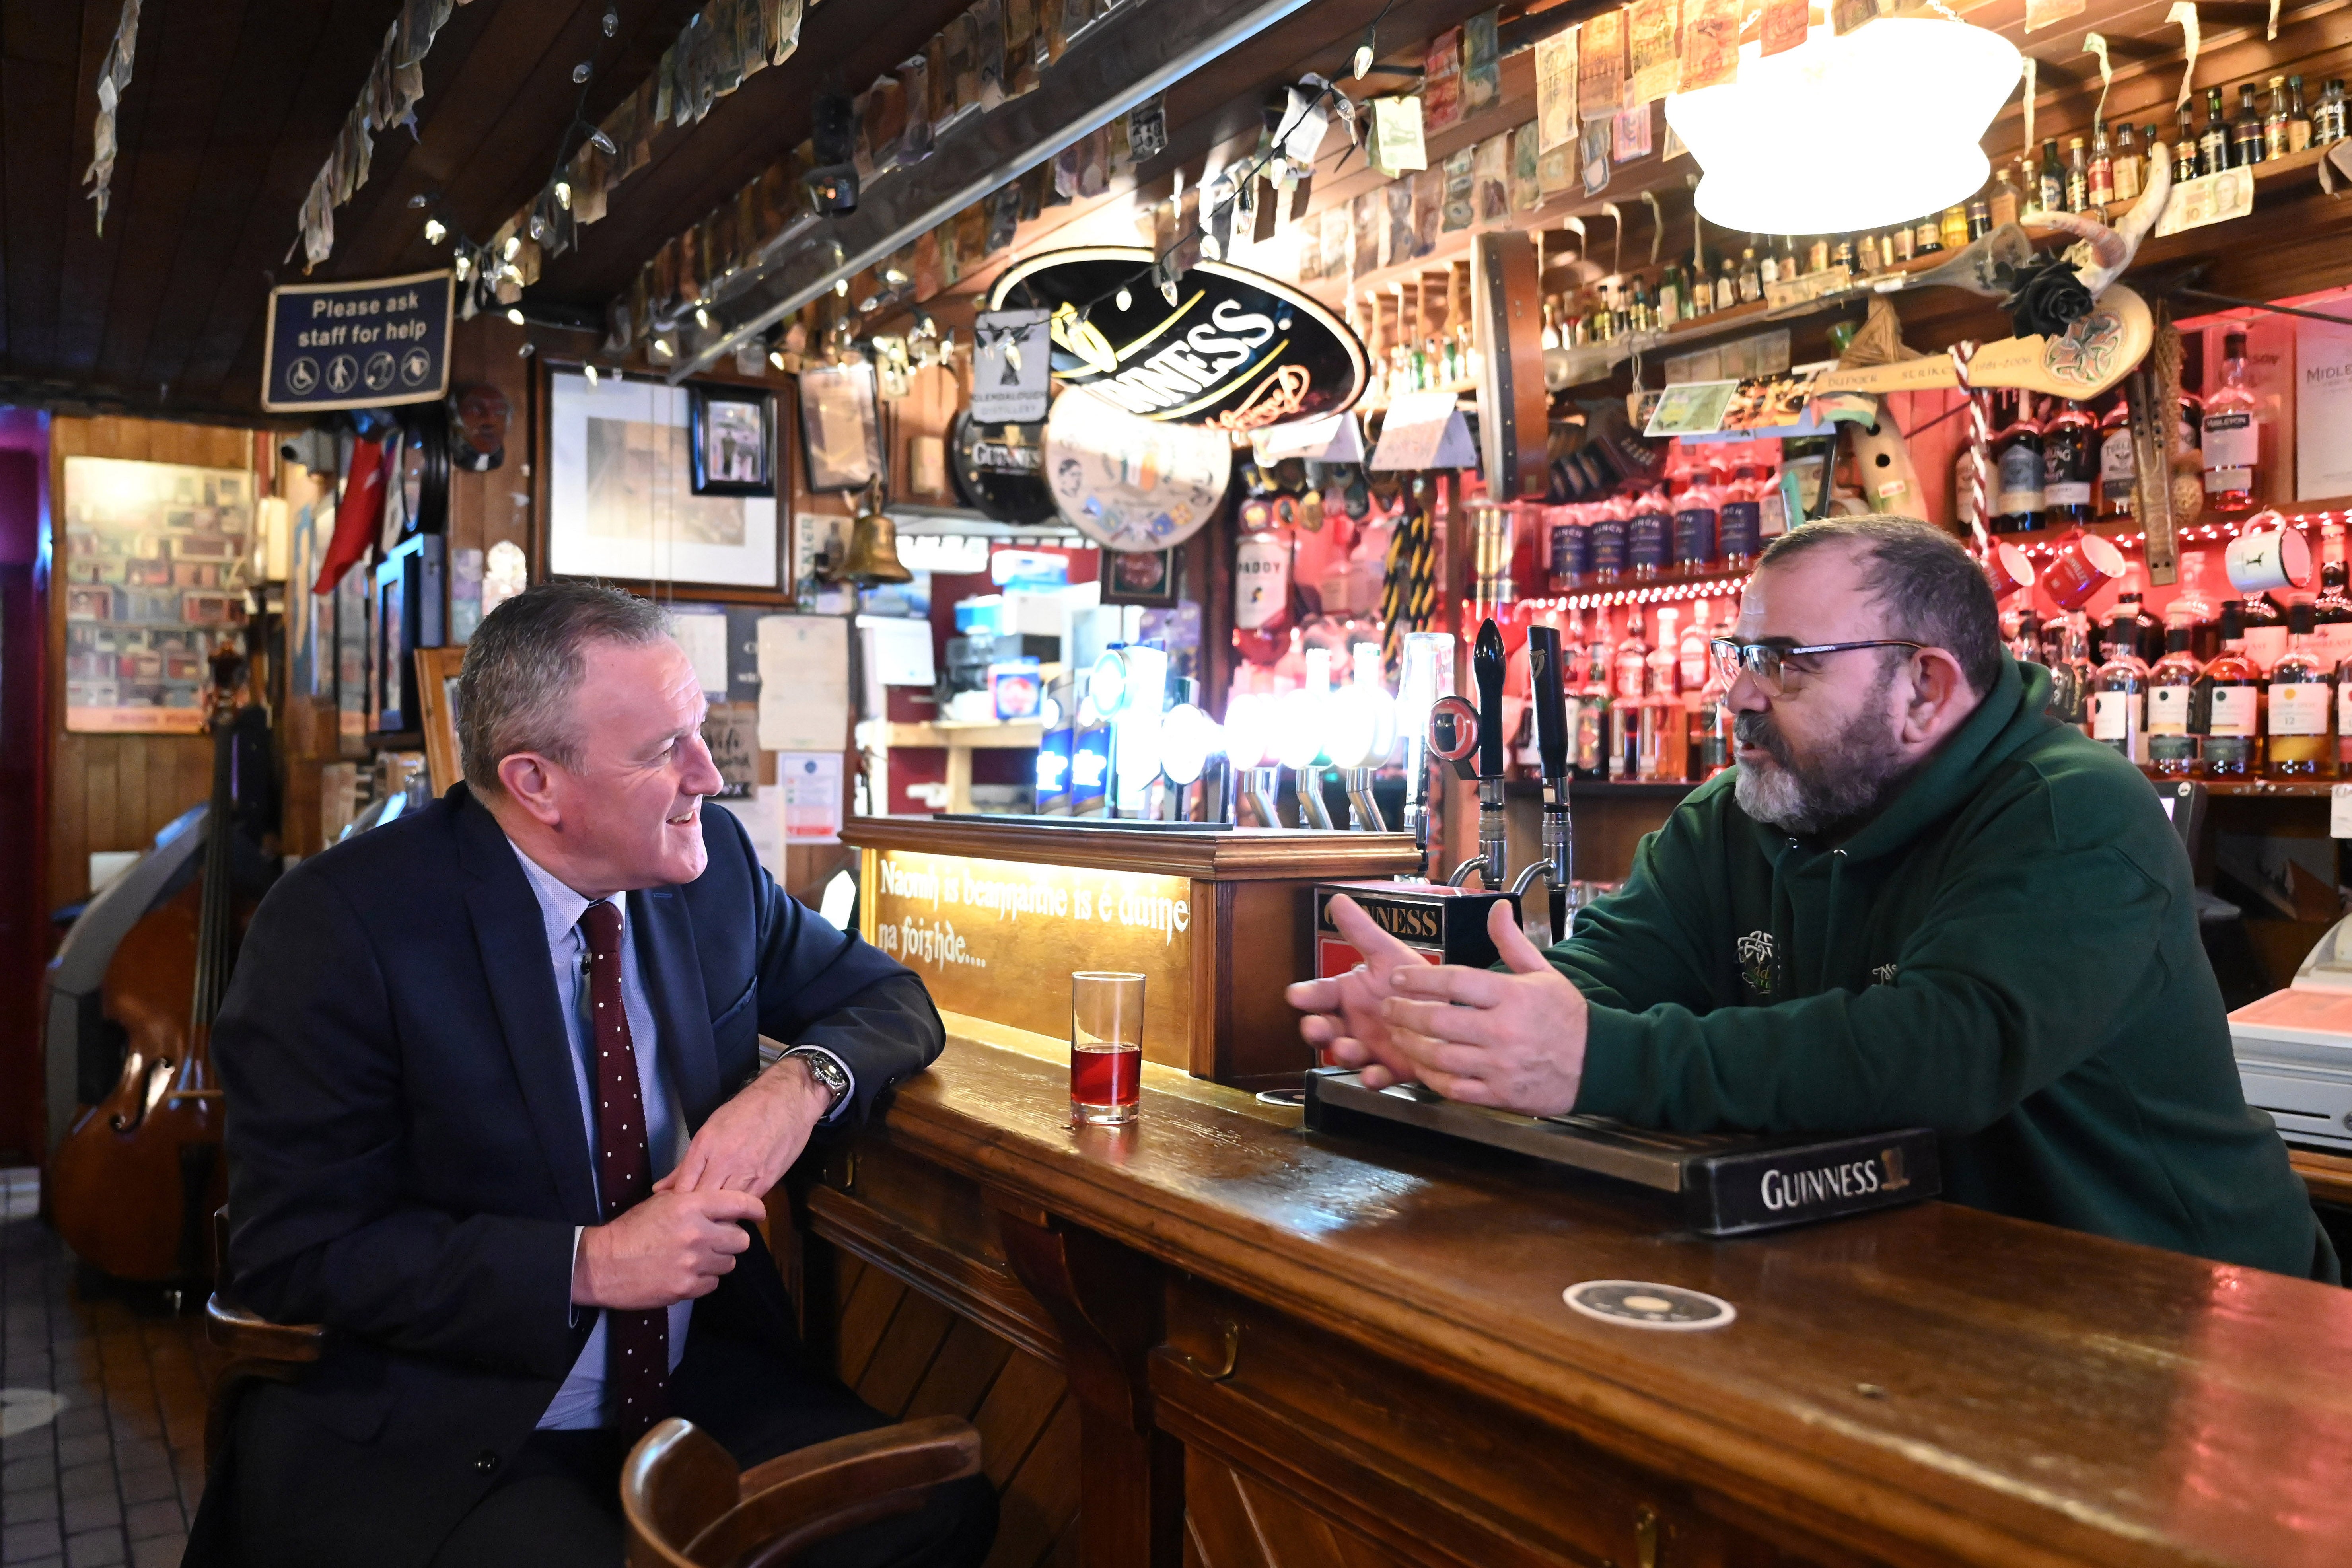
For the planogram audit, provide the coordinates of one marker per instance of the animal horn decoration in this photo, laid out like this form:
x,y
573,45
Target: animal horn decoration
x,y
2051,292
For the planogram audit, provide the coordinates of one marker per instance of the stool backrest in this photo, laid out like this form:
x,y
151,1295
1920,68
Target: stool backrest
x,y
686,1506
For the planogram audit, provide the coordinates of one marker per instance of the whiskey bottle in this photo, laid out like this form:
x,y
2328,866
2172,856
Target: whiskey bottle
x,y
1665,754
2328,126
2187,148
2052,176
2213,142
2078,176
2005,205
1697,518
1592,704
1953,232
2127,172
2171,694
1612,520
2118,466
2070,466
1750,282
2231,432
2298,118
2018,471
2331,612
2246,146
2234,705
2119,699
1979,217
1927,236
2102,174
2071,673
2274,119
2302,704
1629,664
2191,607
2265,623
1649,536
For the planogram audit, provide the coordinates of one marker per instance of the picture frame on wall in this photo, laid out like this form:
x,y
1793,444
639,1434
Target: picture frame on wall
x,y
841,427
1150,578
622,503
733,435
436,703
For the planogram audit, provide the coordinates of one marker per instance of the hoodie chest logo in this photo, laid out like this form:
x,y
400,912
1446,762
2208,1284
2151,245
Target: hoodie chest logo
x,y
1755,951
1884,974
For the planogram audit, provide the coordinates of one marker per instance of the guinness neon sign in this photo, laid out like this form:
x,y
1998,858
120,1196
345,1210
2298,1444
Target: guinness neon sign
x,y
1238,350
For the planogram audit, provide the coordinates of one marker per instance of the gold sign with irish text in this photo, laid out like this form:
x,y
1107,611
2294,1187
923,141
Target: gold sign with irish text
x,y
1000,939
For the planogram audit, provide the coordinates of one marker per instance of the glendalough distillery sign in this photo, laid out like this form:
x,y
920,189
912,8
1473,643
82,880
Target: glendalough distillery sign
x,y
369,344
1237,349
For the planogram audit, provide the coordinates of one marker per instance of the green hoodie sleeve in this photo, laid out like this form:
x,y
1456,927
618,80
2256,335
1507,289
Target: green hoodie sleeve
x,y
1638,941
2011,982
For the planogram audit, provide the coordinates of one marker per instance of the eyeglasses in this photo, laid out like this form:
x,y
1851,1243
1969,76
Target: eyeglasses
x,y
1768,661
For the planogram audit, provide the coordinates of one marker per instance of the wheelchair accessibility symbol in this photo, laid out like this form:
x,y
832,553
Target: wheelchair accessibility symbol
x,y
302,376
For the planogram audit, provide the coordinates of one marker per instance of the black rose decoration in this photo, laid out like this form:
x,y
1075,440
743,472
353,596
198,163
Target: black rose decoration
x,y
2044,295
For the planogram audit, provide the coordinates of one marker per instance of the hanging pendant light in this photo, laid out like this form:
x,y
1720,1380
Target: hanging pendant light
x,y
1843,134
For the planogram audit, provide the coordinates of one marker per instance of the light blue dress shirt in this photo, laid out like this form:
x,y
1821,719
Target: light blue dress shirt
x,y
580,1401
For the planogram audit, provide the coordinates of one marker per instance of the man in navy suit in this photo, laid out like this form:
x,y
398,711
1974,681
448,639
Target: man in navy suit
x,y
500,1120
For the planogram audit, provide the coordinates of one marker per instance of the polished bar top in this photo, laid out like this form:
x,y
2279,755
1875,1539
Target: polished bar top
x,y
1224,855
1941,1383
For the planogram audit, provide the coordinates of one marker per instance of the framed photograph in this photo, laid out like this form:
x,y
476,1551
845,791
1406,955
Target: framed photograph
x,y
840,428
734,444
436,702
622,503
1150,578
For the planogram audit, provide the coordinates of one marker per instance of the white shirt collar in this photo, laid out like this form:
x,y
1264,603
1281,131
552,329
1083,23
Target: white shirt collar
x,y
559,906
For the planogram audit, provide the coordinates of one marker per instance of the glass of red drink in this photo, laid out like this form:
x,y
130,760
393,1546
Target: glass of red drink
x,y
1105,1046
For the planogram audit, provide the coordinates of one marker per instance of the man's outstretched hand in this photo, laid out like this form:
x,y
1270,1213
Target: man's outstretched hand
x,y
1512,1040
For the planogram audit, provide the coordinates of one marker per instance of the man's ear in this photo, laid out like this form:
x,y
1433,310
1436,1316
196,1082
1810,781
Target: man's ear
x,y
529,779
1940,698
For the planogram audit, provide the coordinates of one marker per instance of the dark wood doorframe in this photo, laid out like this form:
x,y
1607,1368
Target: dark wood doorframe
x,y
24,934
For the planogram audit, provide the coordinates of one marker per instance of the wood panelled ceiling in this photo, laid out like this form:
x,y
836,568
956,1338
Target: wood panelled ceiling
x,y
233,107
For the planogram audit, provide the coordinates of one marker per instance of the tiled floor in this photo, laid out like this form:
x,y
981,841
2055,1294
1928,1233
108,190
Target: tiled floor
x,y
114,1477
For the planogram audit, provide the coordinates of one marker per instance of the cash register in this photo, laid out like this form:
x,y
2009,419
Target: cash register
x,y
2295,1047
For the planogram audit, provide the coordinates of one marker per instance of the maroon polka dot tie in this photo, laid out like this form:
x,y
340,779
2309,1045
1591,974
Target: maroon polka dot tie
x,y
636,1344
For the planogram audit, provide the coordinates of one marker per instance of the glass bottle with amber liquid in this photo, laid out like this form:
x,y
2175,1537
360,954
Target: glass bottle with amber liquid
x,y
2213,142
2118,466
2232,704
2071,674
2232,433
2171,709
2119,698
2302,706
2124,174
2247,146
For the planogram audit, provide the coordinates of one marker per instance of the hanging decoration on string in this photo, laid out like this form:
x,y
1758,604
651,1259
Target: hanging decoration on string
x,y
388,101
113,82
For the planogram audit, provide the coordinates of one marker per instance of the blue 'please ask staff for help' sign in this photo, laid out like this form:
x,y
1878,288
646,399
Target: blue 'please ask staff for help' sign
x,y
370,345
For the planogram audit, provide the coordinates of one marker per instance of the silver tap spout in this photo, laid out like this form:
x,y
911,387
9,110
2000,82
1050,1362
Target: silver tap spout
x,y
1262,785
1311,804
1363,811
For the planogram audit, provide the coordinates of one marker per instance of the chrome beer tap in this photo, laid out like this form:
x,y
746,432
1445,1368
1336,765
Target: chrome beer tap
x,y
1557,866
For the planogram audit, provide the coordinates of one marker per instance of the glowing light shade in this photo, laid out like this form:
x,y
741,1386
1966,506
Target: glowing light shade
x,y
1188,739
1848,133
1106,687
1249,726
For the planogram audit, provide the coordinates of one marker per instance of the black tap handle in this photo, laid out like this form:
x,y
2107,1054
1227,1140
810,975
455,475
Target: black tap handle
x,y
1487,668
1550,696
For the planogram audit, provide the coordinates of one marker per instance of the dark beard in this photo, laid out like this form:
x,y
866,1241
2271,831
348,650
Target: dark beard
x,y
1824,794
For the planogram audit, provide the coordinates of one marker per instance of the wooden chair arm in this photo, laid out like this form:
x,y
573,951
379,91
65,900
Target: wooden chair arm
x,y
250,1337
791,1502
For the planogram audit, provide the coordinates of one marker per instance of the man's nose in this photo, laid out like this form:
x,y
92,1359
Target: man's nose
x,y
702,775
1747,694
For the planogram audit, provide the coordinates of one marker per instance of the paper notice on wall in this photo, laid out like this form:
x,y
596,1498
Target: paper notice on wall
x,y
701,631
2323,410
1556,89
1656,54
803,682
1710,44
762,823
809,786
1601,67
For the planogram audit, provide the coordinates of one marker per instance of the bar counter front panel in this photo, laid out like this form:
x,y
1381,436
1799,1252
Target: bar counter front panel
x,y
1215,1338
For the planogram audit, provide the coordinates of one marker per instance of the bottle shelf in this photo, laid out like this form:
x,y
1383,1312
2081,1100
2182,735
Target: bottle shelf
x,y
2269,789
2210,527
1668,587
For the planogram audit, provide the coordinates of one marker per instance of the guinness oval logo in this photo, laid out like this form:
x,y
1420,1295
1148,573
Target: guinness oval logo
x,y
1238,350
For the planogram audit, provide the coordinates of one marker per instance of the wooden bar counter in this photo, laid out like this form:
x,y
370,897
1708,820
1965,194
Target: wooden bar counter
x,y
1214,1338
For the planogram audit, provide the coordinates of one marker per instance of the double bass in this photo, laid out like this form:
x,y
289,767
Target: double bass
x,y
134,1184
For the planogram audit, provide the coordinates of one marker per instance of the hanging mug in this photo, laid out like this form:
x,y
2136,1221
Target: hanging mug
x,y
2080,565
2268,554
2010,570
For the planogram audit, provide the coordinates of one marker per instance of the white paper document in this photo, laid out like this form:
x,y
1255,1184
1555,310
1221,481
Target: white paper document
x,y
803,683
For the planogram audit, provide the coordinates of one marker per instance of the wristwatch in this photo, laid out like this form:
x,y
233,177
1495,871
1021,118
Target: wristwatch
x,y
827,1071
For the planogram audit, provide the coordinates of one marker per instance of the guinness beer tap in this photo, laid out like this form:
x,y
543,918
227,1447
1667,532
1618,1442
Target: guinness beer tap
x,y
1492,859
1557,866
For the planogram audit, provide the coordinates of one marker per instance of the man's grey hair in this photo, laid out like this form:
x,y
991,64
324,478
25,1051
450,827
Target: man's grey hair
x,y
1930,588
524,663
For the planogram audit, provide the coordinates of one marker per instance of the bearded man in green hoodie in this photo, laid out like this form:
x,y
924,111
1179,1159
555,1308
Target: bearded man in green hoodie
x,y
1916,902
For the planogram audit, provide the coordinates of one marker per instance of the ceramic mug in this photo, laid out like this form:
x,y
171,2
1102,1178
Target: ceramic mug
x,y
2009,569
2080,565
2268,555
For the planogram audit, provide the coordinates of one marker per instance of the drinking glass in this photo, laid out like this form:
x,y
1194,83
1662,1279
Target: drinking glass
x,y
1105,1046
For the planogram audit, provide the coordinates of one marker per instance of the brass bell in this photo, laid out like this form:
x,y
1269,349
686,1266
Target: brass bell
x,y
872,556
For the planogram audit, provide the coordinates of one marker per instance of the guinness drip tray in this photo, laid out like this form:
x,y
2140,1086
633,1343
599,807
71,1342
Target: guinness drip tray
x,y
1730,1183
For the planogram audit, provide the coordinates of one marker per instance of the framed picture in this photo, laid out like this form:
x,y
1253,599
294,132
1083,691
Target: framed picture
x,y
622,503
436,702
841,430
734,444
1150,578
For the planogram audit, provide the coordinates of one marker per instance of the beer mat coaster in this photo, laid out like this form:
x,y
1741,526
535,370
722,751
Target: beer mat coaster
x,y
1289,1099
1638,1303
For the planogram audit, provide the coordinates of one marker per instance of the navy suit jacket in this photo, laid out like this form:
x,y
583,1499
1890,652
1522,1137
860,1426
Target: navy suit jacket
x,y
407,1161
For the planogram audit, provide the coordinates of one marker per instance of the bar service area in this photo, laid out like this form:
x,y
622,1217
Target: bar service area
x,y
1207,783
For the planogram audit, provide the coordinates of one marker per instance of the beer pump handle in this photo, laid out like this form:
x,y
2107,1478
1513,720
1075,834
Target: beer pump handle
x,y
1550,700
1486,669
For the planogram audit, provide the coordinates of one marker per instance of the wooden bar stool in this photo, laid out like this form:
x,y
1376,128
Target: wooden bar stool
x,y
687,1506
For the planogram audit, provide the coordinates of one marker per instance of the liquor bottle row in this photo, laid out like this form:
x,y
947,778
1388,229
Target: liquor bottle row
x,y
2058,464
1698,520
2251,690
1642,711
